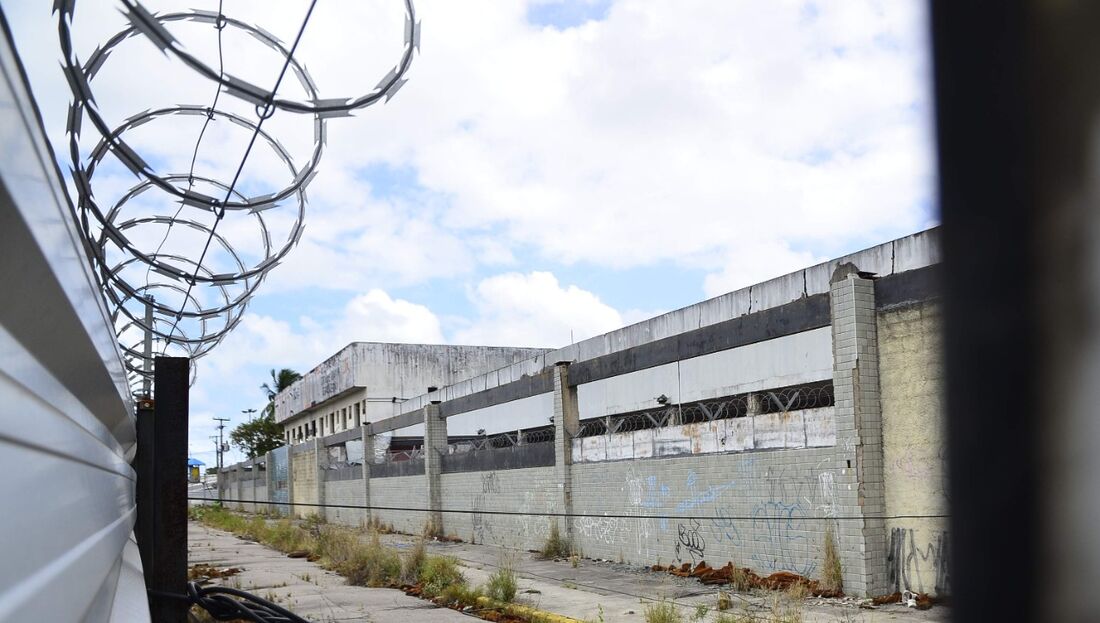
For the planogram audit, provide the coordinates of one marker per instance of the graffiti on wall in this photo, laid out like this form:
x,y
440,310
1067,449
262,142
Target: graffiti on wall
x,y
697,498
827,489
724,526
490,483
916,565
779,525
646,492
602,529
483,529
689,541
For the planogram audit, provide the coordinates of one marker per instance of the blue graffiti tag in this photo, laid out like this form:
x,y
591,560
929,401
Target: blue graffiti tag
x,y
725,528
776,525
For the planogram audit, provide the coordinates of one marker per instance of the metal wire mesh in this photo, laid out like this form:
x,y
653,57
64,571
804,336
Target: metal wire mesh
x,y
503,440
393,456
778,400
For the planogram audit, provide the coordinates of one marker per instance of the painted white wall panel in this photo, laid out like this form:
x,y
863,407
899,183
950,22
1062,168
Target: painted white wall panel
x,y
789,360
628,392
530,412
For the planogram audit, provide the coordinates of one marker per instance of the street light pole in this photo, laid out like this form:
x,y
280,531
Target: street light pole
x,y
249,413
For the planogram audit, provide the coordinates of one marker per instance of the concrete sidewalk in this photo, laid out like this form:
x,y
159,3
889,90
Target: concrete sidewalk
x,y
601,592
610,592
304,587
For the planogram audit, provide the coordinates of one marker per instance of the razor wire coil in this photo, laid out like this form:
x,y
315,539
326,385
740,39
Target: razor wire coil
x,y
188,302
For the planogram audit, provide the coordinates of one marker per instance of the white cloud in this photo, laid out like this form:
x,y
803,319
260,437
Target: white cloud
x,y
665,132
754,262
370,317
533,309
669,132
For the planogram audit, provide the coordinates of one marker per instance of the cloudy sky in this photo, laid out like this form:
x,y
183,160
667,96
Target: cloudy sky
x,y
553,169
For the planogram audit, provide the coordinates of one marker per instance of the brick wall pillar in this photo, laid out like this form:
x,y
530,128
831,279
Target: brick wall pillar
x,y
291,511
255,476
861,540
320,457
239,488
435,446
368,456
566,425
269,475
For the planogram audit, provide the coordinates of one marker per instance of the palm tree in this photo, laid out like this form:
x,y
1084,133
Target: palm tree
x,y
279,381
262,435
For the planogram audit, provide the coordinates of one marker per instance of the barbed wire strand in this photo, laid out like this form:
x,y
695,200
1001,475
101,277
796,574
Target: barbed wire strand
x,y
265,113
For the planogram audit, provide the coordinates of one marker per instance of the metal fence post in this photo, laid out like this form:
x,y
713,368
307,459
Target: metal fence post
x,y
161,465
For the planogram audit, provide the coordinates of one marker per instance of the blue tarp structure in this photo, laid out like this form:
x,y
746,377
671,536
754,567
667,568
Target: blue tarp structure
x,y
194,463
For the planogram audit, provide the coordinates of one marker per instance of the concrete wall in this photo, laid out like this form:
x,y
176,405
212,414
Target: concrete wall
x,y
914,448
261,494
529,412
530,490
401,492
347,492
756,509
303,472
789,360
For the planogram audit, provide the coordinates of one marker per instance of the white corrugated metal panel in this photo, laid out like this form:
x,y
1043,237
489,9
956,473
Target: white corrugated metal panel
x,y
66,419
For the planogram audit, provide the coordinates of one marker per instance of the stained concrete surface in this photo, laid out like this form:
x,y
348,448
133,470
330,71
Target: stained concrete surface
x,y
304,587
593,590
619,593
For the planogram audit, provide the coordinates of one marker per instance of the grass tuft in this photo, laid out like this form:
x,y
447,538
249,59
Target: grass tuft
x,y
413,562
556,546
662,611
832,576
371,564
438,573
502,585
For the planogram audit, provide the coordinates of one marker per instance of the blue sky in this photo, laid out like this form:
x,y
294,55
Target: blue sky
x,y
551,169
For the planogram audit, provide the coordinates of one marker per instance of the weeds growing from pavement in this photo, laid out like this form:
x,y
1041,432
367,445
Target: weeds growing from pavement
x,y
831,573
662,611
502,584
556,546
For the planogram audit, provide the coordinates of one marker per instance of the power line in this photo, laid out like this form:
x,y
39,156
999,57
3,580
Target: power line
x,y
785,517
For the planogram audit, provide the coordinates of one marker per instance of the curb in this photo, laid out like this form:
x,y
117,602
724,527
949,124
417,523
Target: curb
x,y
525,611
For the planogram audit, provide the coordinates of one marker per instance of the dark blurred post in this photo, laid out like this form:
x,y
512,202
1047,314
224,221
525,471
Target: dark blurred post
x,y
161,465
1018,111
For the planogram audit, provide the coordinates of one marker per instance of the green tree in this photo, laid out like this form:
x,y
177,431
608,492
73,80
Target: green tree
x,y
262,434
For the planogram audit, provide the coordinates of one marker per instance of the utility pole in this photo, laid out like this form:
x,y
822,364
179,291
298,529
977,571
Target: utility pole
x,y
221,444
217,452
147,350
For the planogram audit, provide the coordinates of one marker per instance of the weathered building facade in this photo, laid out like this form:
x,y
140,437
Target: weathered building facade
x,y
367,381
752,427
